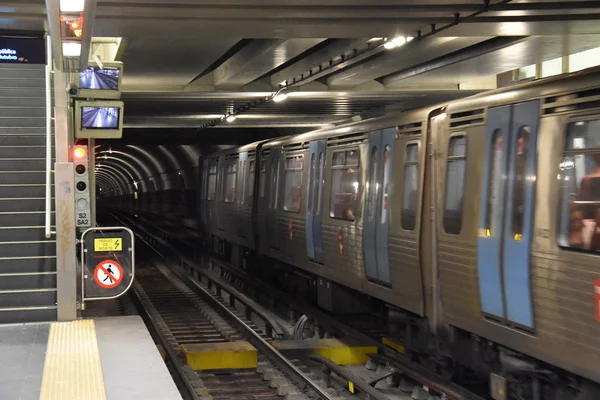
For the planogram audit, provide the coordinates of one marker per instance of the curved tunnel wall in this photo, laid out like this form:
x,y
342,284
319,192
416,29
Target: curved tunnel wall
x,y
160,179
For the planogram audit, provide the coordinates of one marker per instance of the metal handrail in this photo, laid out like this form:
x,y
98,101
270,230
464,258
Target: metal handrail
x,y
48,70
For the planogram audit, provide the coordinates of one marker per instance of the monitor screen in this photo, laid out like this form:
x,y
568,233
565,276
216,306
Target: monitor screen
x,y
99,79
100,117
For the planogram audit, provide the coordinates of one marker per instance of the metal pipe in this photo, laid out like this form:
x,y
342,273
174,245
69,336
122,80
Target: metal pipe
x,y
48,70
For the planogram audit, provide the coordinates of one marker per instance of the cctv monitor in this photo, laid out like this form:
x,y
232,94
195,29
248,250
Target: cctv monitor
x,y
99,119
101,82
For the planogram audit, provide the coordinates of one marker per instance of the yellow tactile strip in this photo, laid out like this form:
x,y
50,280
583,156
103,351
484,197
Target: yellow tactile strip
x,y
72,370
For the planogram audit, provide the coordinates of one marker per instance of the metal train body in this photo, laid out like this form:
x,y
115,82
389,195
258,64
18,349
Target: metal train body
x,y
459,216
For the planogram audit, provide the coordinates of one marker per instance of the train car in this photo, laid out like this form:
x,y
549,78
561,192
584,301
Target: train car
x,y
476,219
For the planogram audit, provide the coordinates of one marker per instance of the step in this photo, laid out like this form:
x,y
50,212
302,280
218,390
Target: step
x,y
7,122
37,218
29,234
18,150
18,93
23,177
11,315
23,140
29,264
23,83
24,191
17,101
22,112
45,248
23,164
23,281
28,298
23,70
23,204
23,130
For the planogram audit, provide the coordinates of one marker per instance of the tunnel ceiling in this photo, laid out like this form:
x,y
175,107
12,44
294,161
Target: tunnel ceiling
x,y
189,62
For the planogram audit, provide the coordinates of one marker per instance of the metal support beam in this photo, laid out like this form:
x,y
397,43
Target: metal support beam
x,y
53,15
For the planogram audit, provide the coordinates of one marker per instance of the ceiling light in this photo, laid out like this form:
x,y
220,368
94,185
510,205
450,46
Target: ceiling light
x,y
283,83
231,118
389,45
71,49
72,5
409,39
280,97
399,41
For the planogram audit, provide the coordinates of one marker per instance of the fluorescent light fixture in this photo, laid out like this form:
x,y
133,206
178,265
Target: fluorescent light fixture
x,y
409,39
72,5
231,118
71,49
399,41
280,97
389,45
283,83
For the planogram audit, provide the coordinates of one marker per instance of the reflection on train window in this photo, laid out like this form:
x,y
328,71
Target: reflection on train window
x,y
579,177
411,187
455,184
519,177
275,170
495,184
387,169
344,185
230,182
211,182
293,183
372,185
249,191
313,182
262,178
320,183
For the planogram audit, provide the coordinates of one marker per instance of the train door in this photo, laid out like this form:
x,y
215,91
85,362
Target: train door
x,y
314,200
273,209
219,193
506,213
377,218
240,189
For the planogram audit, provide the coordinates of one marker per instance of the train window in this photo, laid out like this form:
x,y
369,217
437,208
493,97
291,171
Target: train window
x,y
519,177
249,190
211,185
242,180
344,185
293,183
386,183
411,187
230,182
579,177
372,198
262,178
320,183
495,185
455,184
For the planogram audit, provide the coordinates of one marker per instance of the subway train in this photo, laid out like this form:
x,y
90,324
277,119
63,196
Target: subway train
x,y
476,221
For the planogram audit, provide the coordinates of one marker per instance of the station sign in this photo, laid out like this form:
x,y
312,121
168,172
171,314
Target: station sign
x,y
108,265
22,50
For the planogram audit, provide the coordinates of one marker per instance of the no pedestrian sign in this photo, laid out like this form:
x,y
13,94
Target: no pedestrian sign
x,y
108,274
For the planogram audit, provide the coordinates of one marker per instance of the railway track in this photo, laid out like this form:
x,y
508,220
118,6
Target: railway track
x,y
413,379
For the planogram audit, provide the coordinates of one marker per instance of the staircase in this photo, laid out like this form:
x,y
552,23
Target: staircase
x,y
27,258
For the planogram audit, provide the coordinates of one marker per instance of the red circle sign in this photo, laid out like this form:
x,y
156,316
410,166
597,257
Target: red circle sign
x,y
108,274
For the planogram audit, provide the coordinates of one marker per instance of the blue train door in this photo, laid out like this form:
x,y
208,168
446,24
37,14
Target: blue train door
x,y
378,194
506,213
314,200
274,183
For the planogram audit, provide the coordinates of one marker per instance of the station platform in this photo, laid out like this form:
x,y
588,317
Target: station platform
x,y
109,358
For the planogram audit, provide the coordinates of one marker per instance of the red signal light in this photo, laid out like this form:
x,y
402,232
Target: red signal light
x,y
79,153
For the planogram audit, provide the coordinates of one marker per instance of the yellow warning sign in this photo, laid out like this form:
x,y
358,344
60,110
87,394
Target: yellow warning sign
x,y
112,244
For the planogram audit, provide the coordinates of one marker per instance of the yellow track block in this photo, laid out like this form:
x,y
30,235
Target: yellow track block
x,y
228,355
72,369
393,344
346,352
